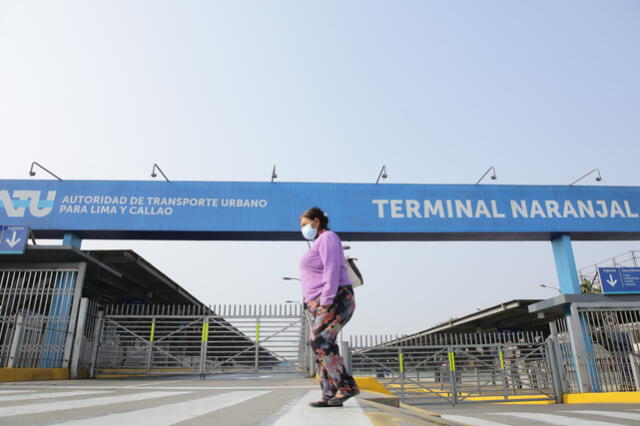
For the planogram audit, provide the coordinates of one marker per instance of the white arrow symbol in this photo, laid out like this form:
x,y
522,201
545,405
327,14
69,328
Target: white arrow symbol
x,y
611,281
13,241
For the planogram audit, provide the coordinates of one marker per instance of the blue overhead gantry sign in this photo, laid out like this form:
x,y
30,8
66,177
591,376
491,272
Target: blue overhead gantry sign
x,y
359,212
270,211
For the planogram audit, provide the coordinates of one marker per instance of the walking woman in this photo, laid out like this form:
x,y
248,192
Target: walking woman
x,y
328,296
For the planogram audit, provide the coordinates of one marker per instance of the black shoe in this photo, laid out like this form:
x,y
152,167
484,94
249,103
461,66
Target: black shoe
x,y
335,401
322,404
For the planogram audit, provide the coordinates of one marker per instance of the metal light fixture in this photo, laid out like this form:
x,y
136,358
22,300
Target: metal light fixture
x,y
493,175
382,174
33,172
154,174
550,286
291,279
598,178
274,176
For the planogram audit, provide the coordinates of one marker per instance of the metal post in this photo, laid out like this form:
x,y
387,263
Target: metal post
x,y
574,333
505,382
345,351
401,362
97,336
77,294
15,344
303,345
452,376
633,361
557,353
203,348
552,360
310,353
150,347
79,340
256,365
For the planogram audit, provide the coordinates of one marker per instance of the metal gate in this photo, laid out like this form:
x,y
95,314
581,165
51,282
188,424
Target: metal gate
x,y
38,308
611,336
188,339
449,369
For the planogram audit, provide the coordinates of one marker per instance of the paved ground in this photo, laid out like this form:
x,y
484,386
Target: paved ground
x,y
280,400
560,414
223,400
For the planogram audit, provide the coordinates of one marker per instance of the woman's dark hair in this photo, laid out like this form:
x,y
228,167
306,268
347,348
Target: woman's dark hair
x,y
318,213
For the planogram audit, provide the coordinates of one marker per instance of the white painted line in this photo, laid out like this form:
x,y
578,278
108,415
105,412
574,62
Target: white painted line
x,y
142,385
47,395
80,403
302,414
615,414
169,414
177,388
557,420
3,391
471,420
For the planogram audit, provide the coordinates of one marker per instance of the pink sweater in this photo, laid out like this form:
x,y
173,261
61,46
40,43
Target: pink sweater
x,y
323,269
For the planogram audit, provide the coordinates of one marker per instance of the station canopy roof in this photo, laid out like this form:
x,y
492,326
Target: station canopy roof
x,y
513,315
112,276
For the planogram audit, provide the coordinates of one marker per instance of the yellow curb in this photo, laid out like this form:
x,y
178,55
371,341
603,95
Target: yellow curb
x,y
420,411
33,374
403,415
371,384
544,402
602,398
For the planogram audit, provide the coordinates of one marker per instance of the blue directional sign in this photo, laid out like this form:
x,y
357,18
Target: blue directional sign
x,y
620,280
13,239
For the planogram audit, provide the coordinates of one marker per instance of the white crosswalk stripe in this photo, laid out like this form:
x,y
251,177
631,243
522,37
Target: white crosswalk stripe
x,y
10,398
80,403
471,420
614,414
302,414
555,419
171,413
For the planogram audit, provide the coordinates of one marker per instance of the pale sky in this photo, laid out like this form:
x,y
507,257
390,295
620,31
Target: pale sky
x,y
330,91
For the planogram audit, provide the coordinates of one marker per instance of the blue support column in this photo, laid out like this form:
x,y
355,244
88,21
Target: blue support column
x,y
565,265
70,239
57,325
581,343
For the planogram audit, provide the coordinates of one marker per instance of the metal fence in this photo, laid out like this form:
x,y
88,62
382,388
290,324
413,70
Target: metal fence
x,y
458,368
36,305
189,339
611,339
630,258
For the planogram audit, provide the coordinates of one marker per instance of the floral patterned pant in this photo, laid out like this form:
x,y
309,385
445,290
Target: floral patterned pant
x,y
325,326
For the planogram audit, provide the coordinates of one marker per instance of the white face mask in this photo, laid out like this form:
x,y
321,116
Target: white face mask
x,y
309,232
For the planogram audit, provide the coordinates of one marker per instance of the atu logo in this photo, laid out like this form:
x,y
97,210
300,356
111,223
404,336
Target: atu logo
x,y
15,205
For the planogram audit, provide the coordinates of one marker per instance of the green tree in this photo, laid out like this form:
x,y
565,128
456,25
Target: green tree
x,y
588,286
